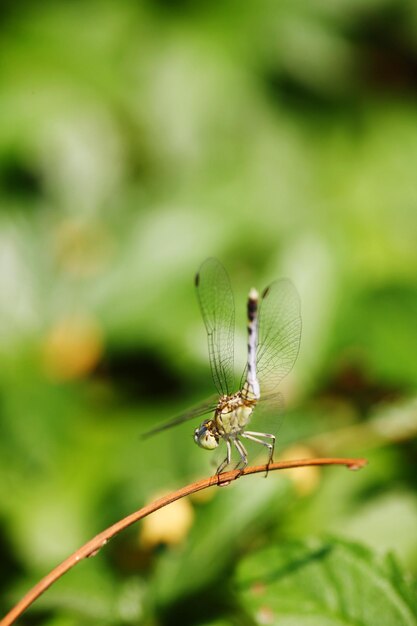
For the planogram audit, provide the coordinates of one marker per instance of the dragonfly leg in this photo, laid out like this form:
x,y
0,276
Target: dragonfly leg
x,y
254,436
242,453
226,461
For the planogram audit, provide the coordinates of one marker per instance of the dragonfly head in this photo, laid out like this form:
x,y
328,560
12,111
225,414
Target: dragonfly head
x,y
206,435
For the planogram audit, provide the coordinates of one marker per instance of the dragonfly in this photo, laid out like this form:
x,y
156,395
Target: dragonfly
x,y
273,342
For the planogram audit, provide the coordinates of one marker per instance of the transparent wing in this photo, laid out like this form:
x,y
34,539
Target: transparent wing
x,y
272,400
207,406
279,334
269,413
217,306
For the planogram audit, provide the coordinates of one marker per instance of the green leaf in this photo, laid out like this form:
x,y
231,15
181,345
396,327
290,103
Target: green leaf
x,y
331,583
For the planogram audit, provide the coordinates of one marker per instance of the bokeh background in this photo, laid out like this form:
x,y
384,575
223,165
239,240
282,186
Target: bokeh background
x,y
137,139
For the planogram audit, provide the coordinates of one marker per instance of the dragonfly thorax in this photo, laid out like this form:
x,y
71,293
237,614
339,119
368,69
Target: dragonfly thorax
x,y
232,414
231,417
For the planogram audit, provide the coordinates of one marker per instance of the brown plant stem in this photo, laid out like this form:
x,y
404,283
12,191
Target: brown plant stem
x,y
94,545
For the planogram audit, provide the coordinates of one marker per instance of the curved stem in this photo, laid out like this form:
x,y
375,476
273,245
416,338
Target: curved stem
x,y
94,545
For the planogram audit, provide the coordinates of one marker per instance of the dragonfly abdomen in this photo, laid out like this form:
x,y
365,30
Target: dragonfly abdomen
x,y
251,388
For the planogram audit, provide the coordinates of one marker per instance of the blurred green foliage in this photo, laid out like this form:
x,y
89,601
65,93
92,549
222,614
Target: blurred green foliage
x,y
136,139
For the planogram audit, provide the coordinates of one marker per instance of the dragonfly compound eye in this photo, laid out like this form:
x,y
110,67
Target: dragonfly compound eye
x,y
205,438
